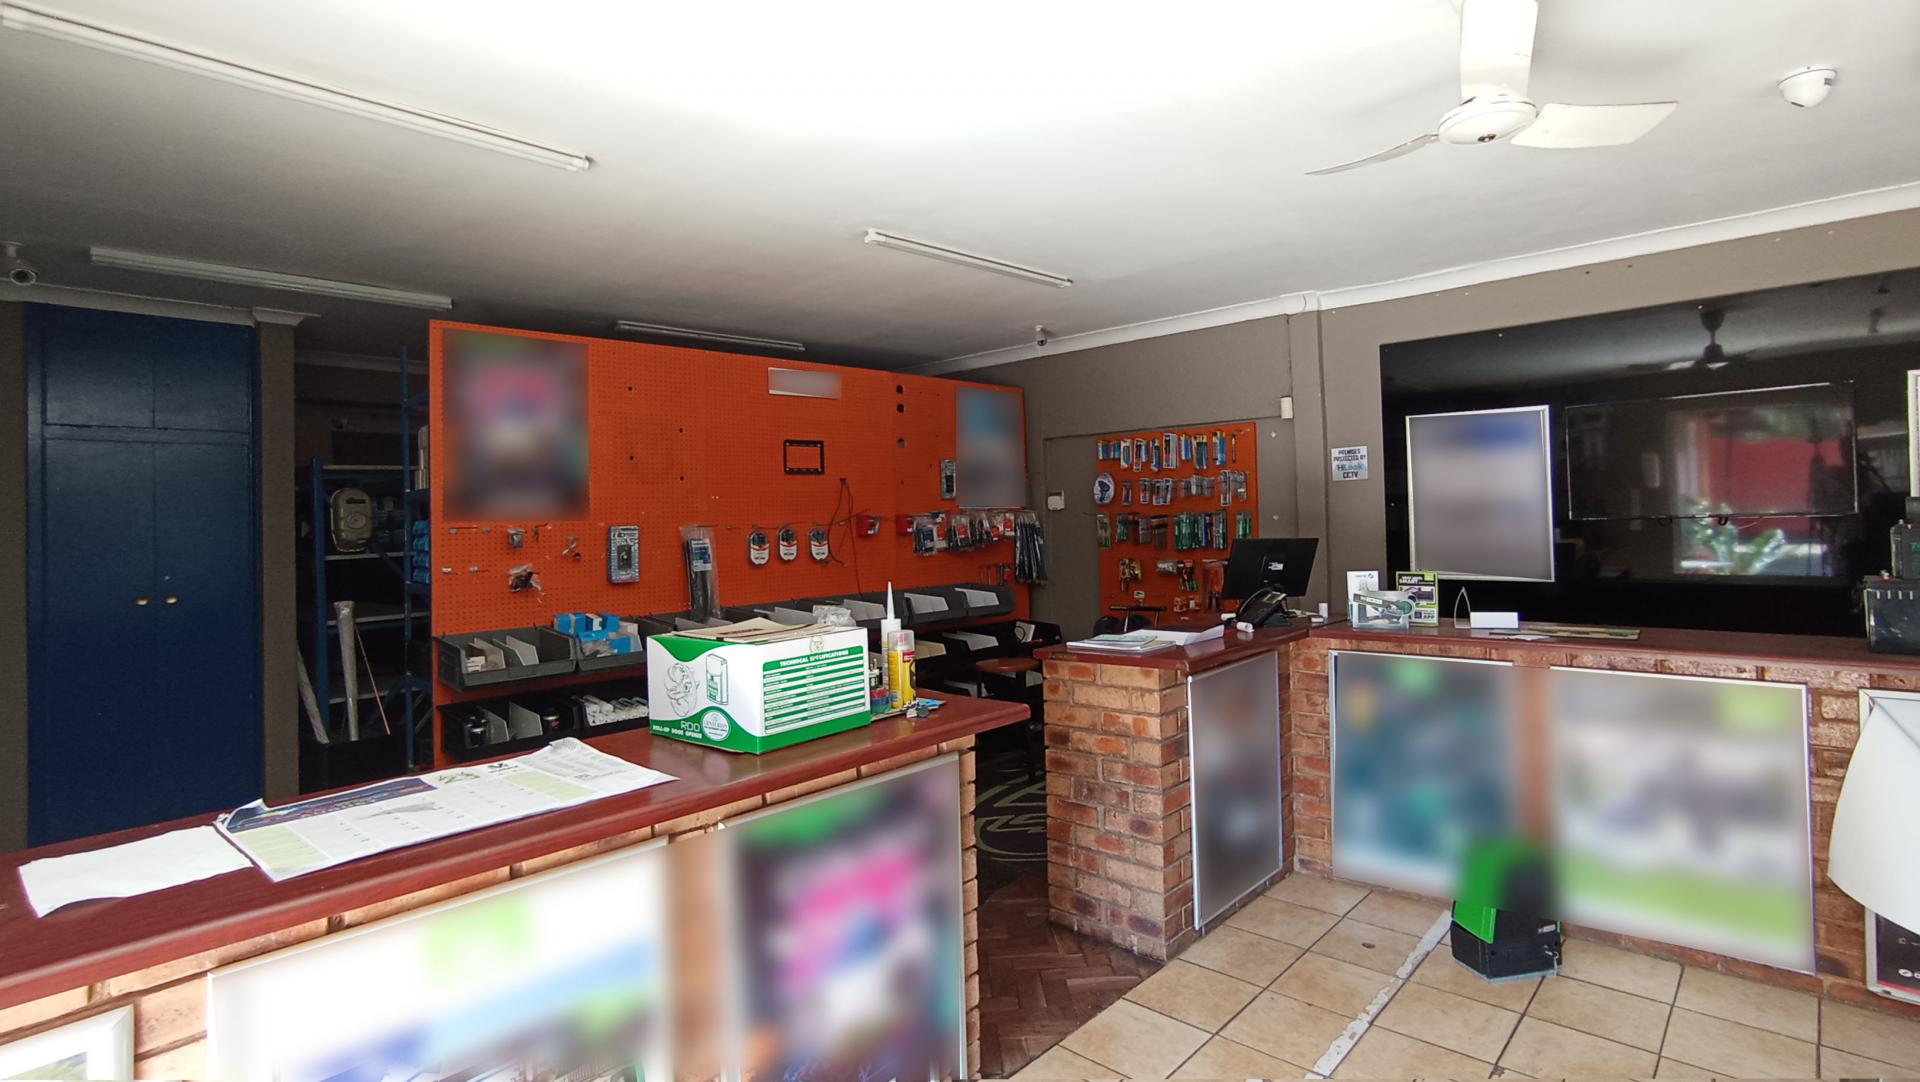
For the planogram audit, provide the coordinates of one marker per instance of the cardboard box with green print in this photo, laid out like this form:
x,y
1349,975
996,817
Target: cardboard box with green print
x,y
757,685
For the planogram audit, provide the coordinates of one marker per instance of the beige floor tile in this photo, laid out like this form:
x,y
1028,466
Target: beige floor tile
x,y
1399,914
1729,1048
1289,923
1602,1012
1221,1058
1135,1041
1317,893
1380,949
1762,1006
1673,1068
1873,1034
1468,1027
1544,1050
1626,971
1442,972
1242,954
1341,987
1057,1062
1382,1053
1194,994
1286,1028
1837,1064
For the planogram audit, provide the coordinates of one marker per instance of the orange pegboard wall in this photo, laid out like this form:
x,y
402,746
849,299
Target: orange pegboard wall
x,y
1155,587
680,436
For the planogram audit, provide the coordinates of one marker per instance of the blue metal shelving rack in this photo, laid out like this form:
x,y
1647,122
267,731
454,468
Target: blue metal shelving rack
x,y
408,697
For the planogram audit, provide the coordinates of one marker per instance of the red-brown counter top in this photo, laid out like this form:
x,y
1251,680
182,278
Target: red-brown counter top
x,y
1812,651
1230,647
92,941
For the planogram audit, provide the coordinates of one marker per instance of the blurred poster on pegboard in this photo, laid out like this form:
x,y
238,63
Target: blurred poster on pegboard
x,y
559,975
991,439
848,961
1680,811
516,425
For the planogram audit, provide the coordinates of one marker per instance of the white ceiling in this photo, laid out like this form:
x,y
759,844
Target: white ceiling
x,y
1152,152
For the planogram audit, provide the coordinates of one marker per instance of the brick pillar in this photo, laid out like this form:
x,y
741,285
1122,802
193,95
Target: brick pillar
x,y
1307,773
1119,815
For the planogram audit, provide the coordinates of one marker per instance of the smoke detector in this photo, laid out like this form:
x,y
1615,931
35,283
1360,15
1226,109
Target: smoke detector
x,y
1808,87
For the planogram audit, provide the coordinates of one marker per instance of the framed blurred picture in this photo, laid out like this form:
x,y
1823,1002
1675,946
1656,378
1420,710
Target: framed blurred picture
x,y
516,426
846,932
1480,494
97,1047
990,431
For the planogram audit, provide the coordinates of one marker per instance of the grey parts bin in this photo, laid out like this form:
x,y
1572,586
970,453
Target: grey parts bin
x,y
554,651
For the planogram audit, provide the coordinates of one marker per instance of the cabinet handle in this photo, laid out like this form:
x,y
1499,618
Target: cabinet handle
x,y
172,600
141,600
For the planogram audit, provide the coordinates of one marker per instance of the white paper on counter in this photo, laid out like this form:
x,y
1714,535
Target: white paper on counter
x,y
1875,832
121,871
295,839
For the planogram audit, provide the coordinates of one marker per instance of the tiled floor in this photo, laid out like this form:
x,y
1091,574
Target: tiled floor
x,y
1267,994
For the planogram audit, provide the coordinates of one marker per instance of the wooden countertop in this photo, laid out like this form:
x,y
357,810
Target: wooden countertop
x,y
91,941
1819,651
1229,648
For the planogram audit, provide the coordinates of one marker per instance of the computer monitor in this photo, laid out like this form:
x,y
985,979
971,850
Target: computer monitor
x,y
1284,563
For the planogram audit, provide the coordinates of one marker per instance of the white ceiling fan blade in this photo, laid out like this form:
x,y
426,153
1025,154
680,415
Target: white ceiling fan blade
x,y
1567,127
1389,154
1496,47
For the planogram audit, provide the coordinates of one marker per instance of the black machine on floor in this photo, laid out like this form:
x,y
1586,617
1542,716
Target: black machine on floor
x,y
1501,929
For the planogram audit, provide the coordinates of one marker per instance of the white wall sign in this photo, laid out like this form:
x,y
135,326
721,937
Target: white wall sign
x,y
1350,463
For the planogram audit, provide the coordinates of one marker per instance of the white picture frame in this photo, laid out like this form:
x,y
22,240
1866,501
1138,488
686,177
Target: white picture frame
x,y
1913,431
97,1047
1540,530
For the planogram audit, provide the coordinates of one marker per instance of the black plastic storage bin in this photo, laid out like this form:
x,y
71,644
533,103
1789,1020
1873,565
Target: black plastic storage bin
x,y
979,607
586,662
489,727
919,606
625,688
554,650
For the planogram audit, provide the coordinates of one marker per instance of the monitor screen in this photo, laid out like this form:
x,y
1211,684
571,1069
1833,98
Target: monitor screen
x,y
1284,563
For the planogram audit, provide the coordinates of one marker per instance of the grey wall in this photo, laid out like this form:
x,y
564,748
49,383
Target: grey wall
x,y
13,577
1199,378
279,686
1340,348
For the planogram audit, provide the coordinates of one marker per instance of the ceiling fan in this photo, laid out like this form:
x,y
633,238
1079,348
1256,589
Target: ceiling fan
x,y
1496,55
1713,357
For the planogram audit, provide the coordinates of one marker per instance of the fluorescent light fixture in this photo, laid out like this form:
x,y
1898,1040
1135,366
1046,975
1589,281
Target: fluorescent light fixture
x,y
664,331
247,276
965,259
64,28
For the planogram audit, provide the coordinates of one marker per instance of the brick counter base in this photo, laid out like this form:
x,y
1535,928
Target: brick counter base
x,y
1833,726
1119,805
170,1000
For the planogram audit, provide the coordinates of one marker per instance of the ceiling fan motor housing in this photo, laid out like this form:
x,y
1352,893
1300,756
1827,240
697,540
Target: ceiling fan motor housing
x,y
1486,120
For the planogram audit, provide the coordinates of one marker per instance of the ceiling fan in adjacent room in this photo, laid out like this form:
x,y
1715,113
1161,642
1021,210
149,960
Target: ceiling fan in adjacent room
x,y
1712,358
1496,57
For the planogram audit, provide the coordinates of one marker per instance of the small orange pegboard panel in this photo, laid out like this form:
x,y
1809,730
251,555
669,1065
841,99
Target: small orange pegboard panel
x,y
1155,587
682,436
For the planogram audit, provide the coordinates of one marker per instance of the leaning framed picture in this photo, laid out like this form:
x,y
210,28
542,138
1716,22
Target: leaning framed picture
x,y
97,1047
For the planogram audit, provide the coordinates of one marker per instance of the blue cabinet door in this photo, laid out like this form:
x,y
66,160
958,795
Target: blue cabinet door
x,y
144,626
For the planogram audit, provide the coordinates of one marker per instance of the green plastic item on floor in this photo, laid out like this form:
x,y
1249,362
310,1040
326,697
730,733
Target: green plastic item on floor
x,y
1487,870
